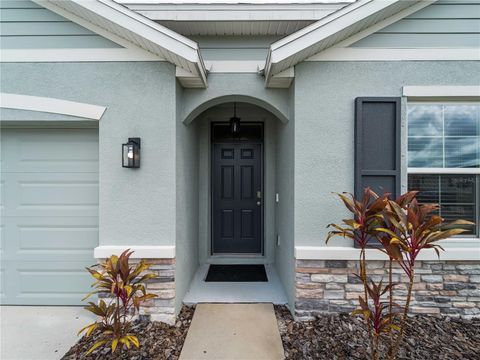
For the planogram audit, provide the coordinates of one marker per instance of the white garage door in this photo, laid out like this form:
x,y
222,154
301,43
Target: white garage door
x,y
49,214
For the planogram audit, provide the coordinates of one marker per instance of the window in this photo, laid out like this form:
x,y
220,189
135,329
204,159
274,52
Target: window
x,y
444,158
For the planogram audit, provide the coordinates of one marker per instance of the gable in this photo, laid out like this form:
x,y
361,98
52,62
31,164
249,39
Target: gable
x,y
444,24
26,25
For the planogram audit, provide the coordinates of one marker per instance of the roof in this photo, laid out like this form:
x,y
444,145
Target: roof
x,y
140,31
329,31
313,26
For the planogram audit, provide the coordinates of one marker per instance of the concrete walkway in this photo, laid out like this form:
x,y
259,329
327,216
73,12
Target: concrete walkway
x,y
233,332
39,332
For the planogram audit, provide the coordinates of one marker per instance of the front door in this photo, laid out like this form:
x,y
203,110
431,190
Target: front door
x,y
237,198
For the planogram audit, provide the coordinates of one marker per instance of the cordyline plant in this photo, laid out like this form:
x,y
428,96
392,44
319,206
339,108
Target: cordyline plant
x,y
401,228
123,286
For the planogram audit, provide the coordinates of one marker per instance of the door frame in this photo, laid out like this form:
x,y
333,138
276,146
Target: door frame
x,y
262,184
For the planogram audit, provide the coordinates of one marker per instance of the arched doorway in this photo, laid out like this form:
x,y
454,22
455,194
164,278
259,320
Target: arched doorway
x,y
237,199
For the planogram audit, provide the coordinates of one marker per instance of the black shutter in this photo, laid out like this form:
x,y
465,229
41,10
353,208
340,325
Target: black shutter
x,y
377,145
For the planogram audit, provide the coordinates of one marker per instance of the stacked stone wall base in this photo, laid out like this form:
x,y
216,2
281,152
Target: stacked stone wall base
x,y
440,287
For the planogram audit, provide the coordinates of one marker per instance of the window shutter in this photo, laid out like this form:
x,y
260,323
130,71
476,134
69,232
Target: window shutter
x,y
377,145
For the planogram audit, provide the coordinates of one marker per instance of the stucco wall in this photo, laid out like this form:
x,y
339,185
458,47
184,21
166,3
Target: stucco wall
x,y
324,131
284,255
186,204
136,205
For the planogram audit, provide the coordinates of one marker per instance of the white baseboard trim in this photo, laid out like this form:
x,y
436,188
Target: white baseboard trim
x,y
139,251
350,253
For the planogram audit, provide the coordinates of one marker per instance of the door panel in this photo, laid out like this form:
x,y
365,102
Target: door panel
x,y
237,203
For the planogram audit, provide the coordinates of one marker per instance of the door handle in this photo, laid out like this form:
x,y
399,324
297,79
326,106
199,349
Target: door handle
x,y
259,203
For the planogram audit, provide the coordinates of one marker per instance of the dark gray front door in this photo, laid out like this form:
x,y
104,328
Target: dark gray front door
x,y
237,198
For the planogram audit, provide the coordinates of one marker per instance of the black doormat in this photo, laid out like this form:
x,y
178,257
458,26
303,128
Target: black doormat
x,y
236,273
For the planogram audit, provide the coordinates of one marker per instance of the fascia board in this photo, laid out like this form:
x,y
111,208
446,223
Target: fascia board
x,y
287,47
129,20
321,30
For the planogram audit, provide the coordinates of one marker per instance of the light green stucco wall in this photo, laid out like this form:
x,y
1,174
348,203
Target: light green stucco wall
x,y
284,179
136,205
187,239
324,128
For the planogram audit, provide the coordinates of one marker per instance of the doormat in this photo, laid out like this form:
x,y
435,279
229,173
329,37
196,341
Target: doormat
x,y
236,273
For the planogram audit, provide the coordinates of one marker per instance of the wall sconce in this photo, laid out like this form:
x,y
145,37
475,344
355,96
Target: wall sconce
x,y
131,153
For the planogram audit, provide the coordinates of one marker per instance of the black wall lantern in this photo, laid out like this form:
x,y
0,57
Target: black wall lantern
x,y
235,121
131,153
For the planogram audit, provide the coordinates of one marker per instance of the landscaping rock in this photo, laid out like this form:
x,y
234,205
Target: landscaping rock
x,y
158,341
341,336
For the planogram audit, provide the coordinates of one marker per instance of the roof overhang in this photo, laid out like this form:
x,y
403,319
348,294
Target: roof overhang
x,y
234,18
333,29
140,31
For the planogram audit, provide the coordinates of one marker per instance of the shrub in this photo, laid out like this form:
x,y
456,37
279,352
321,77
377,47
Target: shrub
x,y
123,287
402,228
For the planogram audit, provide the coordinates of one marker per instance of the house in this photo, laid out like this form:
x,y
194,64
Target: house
x,y
325,96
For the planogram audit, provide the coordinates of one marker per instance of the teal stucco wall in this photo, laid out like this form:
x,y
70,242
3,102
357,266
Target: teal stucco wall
x,y
324,128
135,204
187,209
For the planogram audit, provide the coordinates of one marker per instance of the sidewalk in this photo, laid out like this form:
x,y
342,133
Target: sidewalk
x,y
233,331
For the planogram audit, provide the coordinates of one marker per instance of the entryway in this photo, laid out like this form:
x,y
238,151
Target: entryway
x,y
232,156
202,291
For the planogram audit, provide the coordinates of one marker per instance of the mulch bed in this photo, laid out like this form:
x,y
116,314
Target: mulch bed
x,y
158,341
344,337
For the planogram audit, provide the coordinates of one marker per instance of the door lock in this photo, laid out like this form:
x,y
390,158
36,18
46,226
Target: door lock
x,y
259,194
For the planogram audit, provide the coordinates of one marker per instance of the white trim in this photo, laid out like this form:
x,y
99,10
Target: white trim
x,y
391,54
350,253
142,33
411,170
314,38
140,251
76,55
234,66
443,91
384,23
51,105
234,10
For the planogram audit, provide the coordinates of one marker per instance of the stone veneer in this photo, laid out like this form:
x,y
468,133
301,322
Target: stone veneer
x,y
161,308
440,287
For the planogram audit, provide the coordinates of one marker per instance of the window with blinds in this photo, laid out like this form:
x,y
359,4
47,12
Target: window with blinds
x,y
444,158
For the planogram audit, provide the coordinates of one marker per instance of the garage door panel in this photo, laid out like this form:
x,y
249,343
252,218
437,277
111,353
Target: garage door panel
x,y
51,238
49,223
51,150
51,194
54,283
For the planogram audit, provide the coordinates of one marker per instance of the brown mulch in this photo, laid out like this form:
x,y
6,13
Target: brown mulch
x,y
343,337
158,341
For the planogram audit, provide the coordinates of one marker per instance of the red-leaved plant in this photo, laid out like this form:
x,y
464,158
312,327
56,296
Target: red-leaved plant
x,y
402,229
123,286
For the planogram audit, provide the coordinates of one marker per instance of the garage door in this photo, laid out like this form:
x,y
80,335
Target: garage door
x,y
49,214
